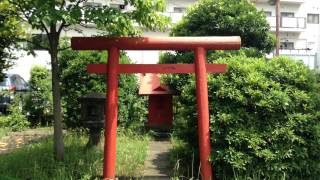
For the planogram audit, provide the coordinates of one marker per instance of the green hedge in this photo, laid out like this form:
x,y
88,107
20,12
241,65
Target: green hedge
x,y
38,102
76,82
264,118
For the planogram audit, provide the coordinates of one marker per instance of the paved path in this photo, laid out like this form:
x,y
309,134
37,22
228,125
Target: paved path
x,y
18,139
157,164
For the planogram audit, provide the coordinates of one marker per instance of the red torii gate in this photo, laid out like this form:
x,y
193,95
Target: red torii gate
x,y
198,44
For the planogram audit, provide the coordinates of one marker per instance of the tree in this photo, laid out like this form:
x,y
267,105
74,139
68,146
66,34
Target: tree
x,y
10,30
54,16
226,18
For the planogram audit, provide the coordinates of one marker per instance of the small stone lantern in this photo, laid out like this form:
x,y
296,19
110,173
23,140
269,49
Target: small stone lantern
x,y
93,115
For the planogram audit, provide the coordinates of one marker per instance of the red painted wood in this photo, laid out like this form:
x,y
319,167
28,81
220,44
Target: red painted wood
x,y
157,68
109,165
150,84
156,43
203,113
160,111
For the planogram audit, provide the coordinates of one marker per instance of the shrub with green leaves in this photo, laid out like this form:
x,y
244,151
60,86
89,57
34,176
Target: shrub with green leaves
x,y
264,118
16,120
39,101
77,82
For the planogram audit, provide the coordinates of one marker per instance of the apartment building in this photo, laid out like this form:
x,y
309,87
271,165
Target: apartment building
x,y
299,28
299,32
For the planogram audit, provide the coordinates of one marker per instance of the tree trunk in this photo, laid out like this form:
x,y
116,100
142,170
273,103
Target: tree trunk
x,y
58,136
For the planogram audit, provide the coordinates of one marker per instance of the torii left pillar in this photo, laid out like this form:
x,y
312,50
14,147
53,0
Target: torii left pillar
x,y
198,44
111,113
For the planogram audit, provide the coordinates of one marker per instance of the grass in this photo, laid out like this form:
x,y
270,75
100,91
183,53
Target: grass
x,y
183,159
4,131
36,161
131,153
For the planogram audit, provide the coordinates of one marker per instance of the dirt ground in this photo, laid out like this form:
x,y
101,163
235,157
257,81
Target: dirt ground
x,y
15,140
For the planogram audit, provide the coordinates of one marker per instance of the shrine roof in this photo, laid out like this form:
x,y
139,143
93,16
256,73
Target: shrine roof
x,y
150,84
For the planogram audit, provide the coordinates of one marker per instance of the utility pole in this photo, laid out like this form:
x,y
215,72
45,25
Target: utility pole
x,y
277,3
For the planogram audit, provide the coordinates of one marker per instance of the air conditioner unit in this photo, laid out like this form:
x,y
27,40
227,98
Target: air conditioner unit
x,y
122,6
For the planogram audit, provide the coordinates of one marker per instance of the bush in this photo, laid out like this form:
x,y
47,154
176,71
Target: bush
x,y
16,120
39,101
76,82
264,118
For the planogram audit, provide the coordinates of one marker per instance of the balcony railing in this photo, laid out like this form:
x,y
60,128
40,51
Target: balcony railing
x,y
282,1
288,23
296,52
292,1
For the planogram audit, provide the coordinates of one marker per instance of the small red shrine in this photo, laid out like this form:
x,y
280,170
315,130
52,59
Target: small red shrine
x,y
160,101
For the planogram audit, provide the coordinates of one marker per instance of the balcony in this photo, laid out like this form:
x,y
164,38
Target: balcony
x,y
292,1
281,1
288,24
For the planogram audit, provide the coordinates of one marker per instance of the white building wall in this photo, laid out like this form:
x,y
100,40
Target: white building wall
x,y
303,38
25,62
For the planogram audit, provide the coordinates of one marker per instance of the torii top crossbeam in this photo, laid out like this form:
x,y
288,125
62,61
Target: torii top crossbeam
x,y
112,69
156,43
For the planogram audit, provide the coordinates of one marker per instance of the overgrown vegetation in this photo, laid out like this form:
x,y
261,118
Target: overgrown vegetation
x,y
4,131
36,162
38,103
131,153
264,118
16,120
76,82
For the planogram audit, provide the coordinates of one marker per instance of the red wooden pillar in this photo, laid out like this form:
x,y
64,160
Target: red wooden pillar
x,y
109,164
203,113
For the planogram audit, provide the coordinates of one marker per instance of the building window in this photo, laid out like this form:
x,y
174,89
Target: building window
x,y
287,14
313,19
92,4
268,13
118,6
179,9
286,45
